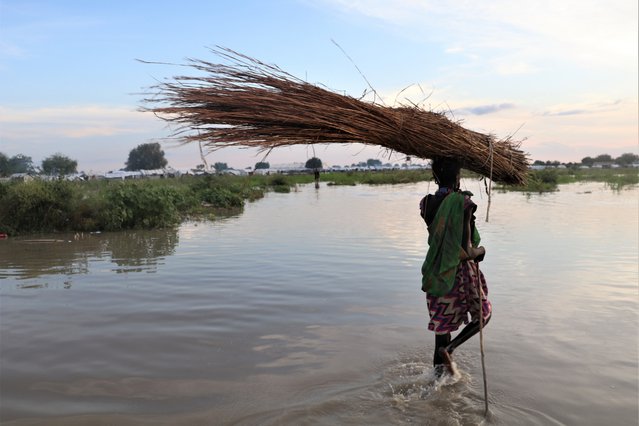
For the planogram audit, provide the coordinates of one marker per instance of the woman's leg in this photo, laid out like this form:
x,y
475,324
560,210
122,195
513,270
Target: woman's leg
x,y
441,341
469,331
474,287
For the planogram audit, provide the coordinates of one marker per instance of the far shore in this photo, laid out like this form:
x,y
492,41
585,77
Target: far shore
x,y
37,206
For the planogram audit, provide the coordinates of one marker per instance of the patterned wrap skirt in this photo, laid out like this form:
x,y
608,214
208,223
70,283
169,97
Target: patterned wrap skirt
x,y
449,312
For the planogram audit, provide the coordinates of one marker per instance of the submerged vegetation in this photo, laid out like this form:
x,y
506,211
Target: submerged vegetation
x,y
106,205
548,180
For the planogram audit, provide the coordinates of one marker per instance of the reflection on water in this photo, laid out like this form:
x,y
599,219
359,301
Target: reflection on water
x,y
141,251
306,309
131,251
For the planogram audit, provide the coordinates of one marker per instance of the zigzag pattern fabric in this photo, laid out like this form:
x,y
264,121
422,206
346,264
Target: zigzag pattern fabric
x,y
449,312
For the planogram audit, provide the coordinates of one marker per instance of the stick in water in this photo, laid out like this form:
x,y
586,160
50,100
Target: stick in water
x,y
481,340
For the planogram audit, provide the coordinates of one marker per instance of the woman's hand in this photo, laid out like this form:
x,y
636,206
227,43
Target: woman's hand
x,y
476,253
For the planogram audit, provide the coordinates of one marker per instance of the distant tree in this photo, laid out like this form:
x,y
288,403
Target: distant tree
x,y
603,158
21,164
4,165
220,167
572,165
313,163
147,156
58,164
627,159
262,165
588,161
372,162
539,163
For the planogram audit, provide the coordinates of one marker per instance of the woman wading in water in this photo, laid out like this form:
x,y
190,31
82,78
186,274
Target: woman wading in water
x,y
450,274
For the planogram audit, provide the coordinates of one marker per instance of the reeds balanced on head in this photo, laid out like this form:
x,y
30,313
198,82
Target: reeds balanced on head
x,y
245,102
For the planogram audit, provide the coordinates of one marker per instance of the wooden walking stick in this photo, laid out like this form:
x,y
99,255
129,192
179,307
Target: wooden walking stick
x,y
475,268
481,337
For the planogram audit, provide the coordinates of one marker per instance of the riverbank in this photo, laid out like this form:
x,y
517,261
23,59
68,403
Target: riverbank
x,y
99,205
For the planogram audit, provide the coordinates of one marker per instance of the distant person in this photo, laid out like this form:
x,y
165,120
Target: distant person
x,y
316,174
450,273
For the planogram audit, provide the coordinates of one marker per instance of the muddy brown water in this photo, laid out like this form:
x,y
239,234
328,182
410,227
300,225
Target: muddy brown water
x,y
306,309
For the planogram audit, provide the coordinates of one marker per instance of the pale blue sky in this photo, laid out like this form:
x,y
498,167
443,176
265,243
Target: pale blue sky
x,y
563,72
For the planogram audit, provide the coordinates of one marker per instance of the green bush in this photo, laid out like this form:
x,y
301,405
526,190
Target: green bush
x,y
278,180
136,205
282,189
37,206
222,198
548,176
86,216
219,192
280,183
40,206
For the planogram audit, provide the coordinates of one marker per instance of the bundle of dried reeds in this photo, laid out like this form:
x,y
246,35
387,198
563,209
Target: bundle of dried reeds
x,y
248,103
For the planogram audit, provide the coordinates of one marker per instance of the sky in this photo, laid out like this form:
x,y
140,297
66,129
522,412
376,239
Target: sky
x,y
559,75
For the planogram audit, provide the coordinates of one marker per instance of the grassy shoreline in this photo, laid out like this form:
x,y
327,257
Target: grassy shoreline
x,y
100,205
548,180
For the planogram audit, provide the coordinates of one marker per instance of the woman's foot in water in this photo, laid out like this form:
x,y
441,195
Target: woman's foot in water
x,y
448,364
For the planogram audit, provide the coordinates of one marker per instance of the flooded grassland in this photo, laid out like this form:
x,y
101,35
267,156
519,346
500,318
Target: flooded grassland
x,y
307,309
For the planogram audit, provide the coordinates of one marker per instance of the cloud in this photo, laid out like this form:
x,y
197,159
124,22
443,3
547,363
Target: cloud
x,y
99,137
8,49
397,12
588,32
514,67
72,122
582,108
567,112
484,109
454,49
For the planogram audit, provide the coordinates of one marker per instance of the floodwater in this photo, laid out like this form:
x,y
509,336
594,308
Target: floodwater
x,y
307,310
